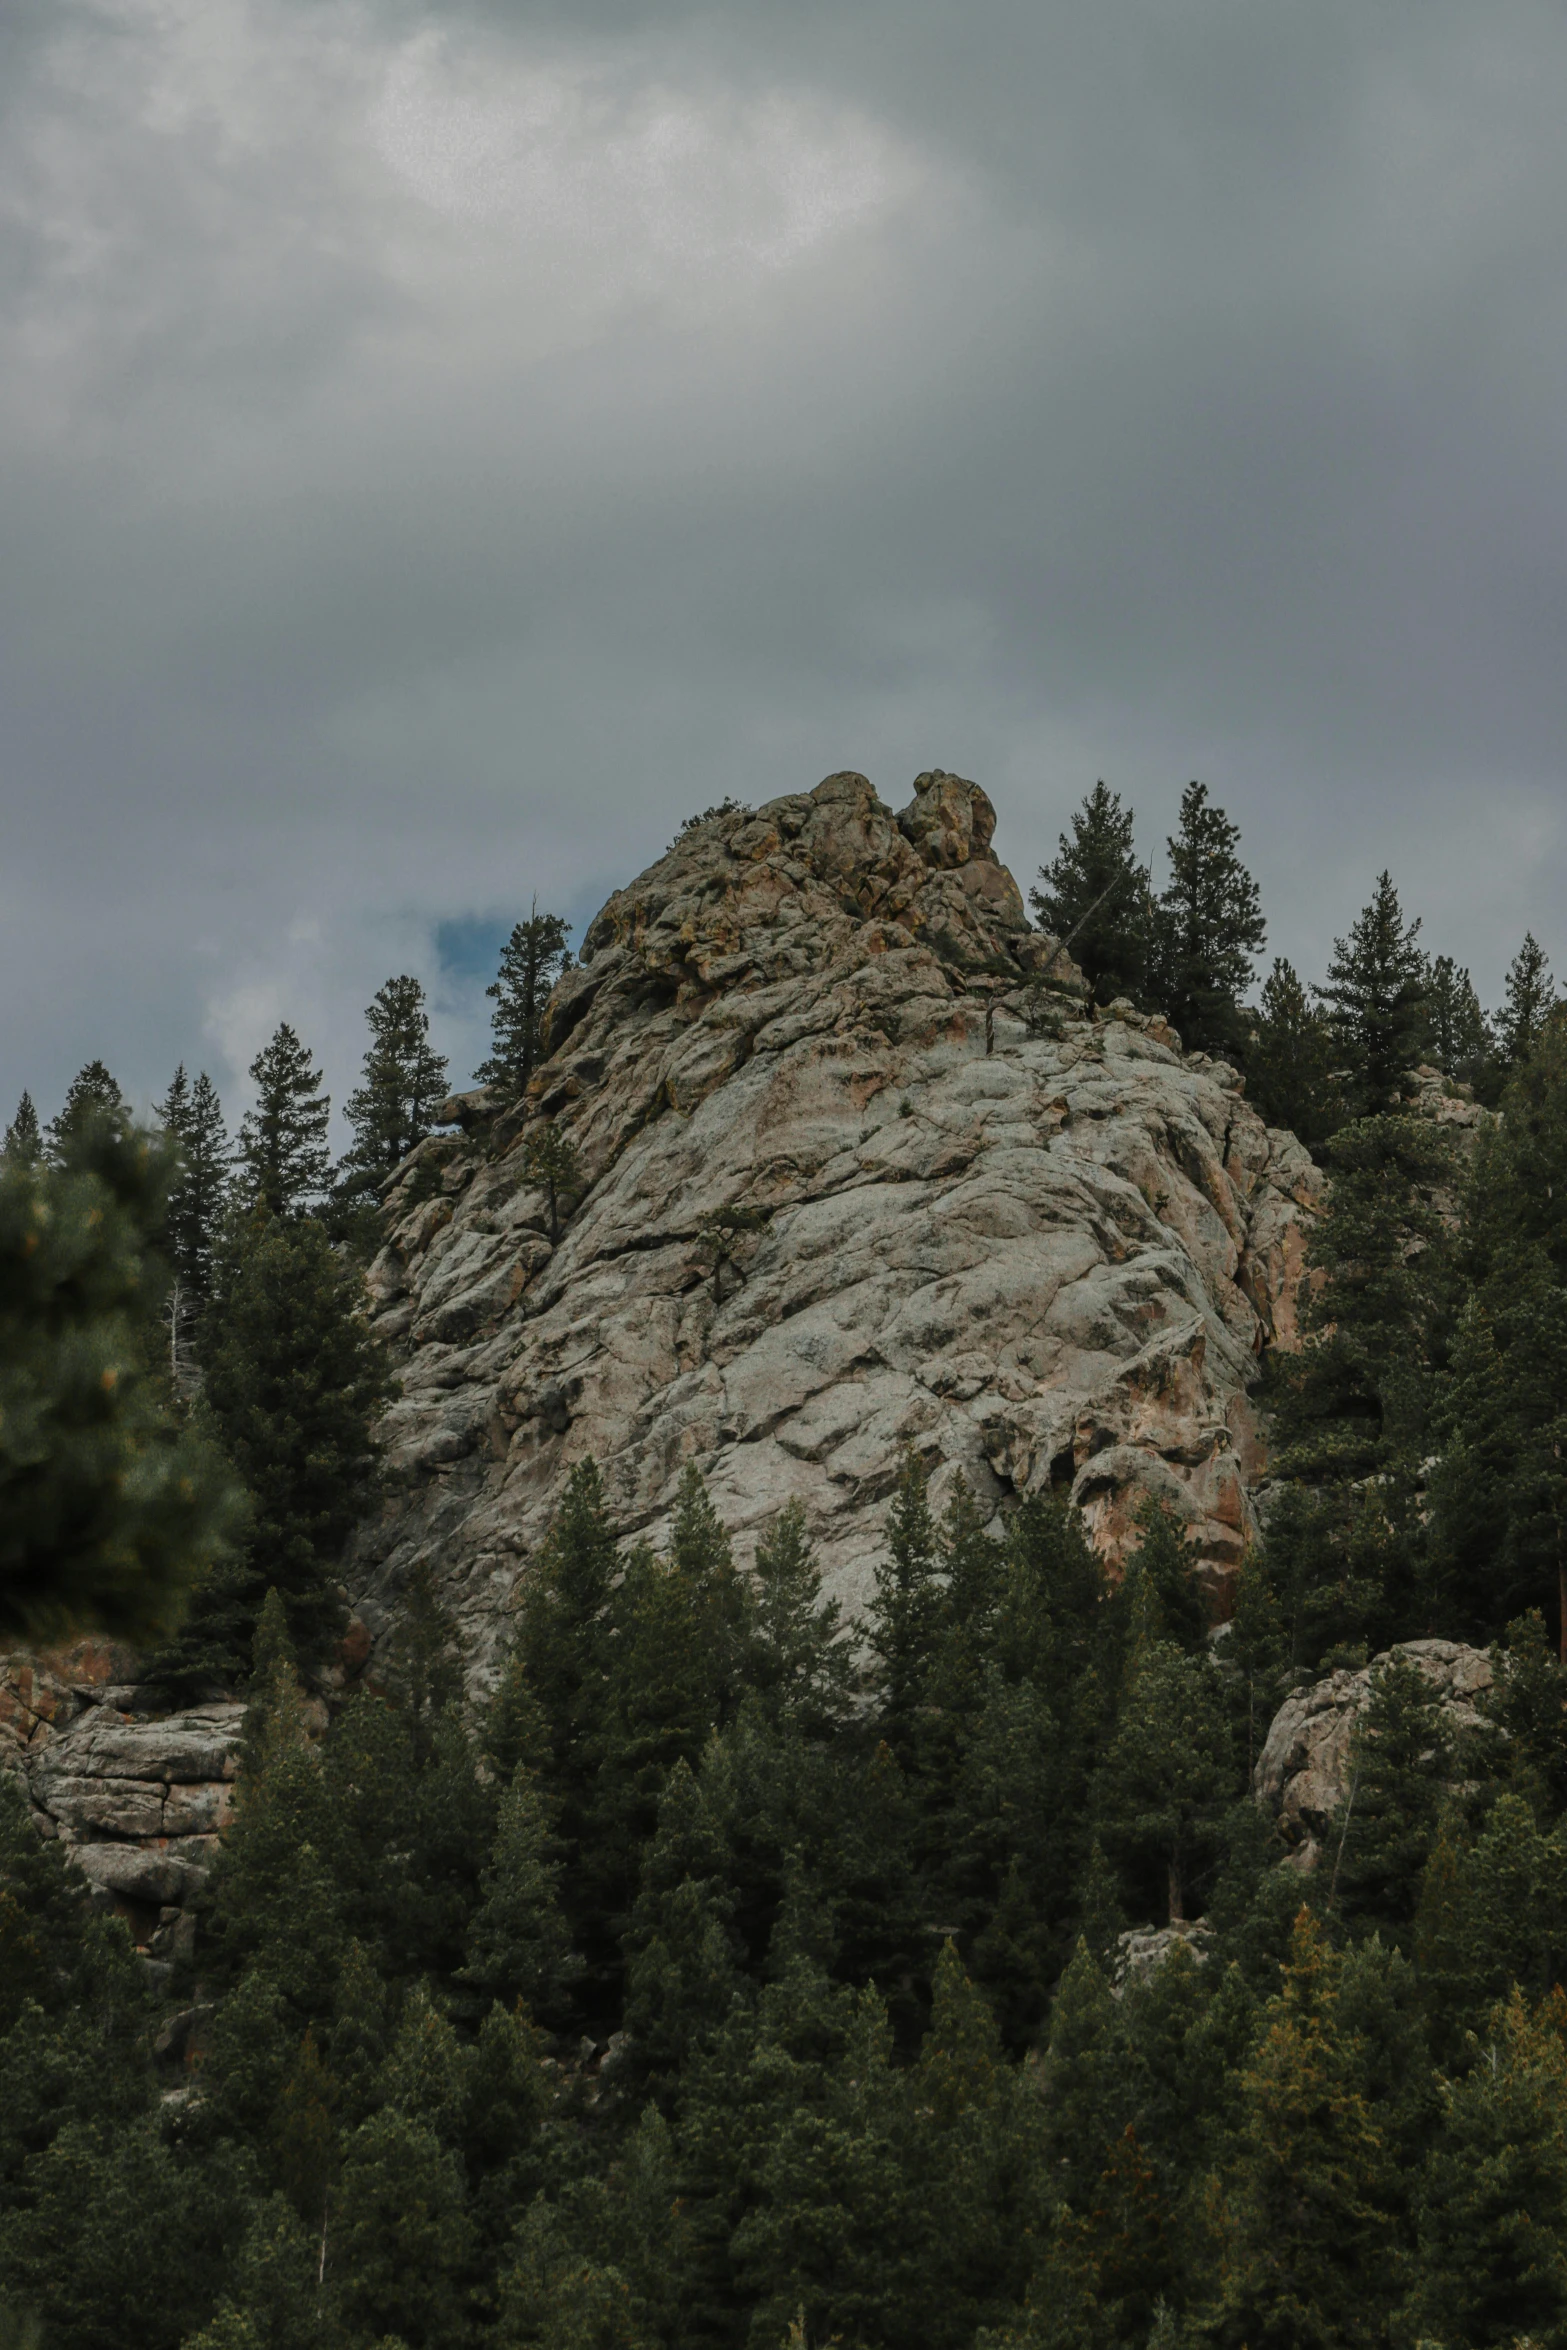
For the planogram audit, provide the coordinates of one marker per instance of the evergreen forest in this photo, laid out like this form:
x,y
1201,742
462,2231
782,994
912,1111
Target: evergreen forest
x,y
735,1977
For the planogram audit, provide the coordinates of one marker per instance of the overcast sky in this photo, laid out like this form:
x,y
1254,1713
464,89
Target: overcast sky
x,y
440,448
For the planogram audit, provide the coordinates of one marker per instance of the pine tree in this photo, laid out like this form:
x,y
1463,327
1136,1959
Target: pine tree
x,y
549,1159
91,1098
403,1086
531,961
1208,928
295,1383
402,2236
1356,1395
1518,1188
905,1606
1460,1040
283,1140
1499,1491
1167,1778
682,1948
23,1139
1375,991
1382,1837
193,1116
518,1946
108,1509
1289,1061
1096,900
1305,2232
566,1635
1492,2266
1531,997
802,1666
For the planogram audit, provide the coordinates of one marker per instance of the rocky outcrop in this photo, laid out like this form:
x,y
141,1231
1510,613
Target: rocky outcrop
x,y
139,1802
1303,1772
860,1169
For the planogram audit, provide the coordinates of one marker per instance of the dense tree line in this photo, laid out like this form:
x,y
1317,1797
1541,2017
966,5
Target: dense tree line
x,y
717,1983
726,1979
1315,1057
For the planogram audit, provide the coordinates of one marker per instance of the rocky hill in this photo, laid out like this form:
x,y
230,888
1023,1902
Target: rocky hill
x,y
861,1169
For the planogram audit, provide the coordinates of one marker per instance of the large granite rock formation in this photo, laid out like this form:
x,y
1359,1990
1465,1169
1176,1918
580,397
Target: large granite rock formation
x,y
862,1170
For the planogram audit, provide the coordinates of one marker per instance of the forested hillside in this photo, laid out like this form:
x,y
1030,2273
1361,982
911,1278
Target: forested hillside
x,y
734,1970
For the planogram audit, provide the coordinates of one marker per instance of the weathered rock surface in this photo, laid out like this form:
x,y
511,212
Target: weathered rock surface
x,y
1142,1950
1303,1771
138,1803
1037,1243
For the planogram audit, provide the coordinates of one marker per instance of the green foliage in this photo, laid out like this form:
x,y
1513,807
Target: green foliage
x,y
23,1139
835,2035
1530,999
1459,1038
1094,897
1289,1059
1302,2210
1492,2264
1499,1492
198,1194
93,1101
1357,1395
283,1139
531,961
109,1508
1208,928
550,1161
1376,995
295,1383
393,1107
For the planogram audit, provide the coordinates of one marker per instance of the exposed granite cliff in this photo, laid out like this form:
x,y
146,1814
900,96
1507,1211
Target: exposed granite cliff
x,y
862,1170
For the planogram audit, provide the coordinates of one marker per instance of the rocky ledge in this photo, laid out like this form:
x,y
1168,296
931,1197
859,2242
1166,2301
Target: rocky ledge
x,y
861,1169
139,1798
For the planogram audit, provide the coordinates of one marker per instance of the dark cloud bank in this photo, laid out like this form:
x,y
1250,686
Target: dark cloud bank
x,y
440,449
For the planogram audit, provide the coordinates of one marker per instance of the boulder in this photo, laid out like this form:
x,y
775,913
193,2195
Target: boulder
x,y
1141,1950
152,1874
1302,1773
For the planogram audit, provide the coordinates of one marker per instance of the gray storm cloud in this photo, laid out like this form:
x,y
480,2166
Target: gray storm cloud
x,y
439,449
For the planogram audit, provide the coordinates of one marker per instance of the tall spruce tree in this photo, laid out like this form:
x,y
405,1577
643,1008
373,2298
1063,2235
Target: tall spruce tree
x,y
1289,1060
295,1383
1376,994
1305,2227
1517,1194
193,1116
532,959
1459,1038
24,1140
1356,1395
1209,927
91,1098
1095,898
403,1085
1499,1490
283,1140
1531,995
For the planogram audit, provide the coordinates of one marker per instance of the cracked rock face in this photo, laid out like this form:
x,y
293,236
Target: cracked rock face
x,y
862,1170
